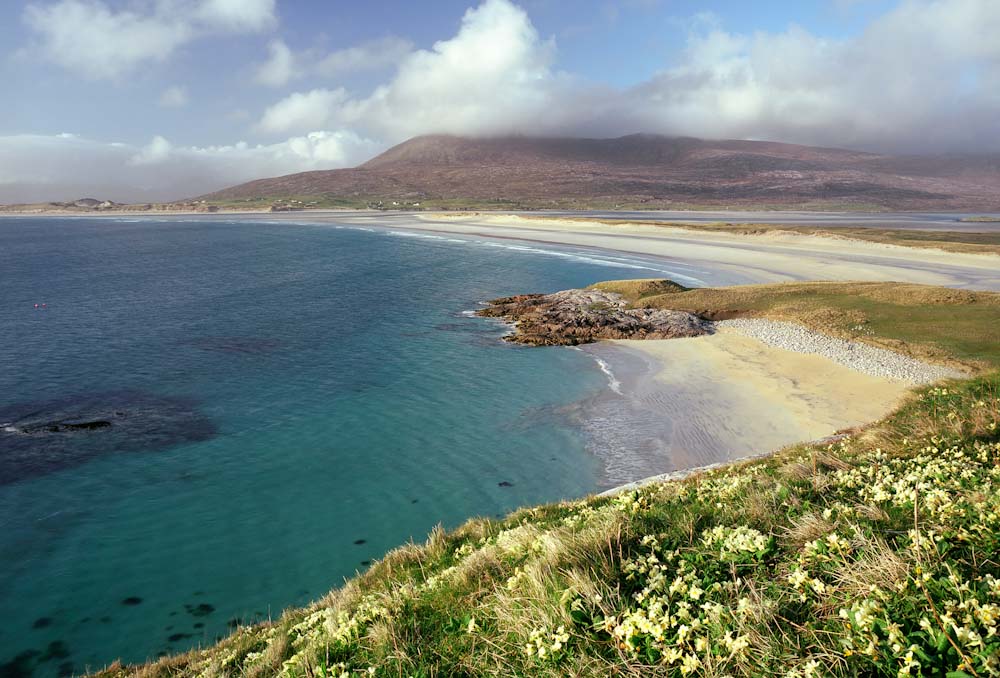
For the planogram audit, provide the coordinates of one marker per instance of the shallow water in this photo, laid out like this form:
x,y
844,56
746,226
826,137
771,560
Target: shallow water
x,y
285,402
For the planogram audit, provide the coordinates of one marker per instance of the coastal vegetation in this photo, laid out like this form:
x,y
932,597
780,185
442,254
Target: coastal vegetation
x,y
874,553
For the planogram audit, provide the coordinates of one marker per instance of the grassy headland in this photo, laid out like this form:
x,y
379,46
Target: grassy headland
x,y
874,555
959,328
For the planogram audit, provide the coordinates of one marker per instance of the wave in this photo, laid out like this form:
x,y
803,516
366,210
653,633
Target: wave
x,y
613,382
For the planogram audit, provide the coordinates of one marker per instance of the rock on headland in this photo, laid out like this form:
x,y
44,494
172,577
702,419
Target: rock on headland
x,y
576,317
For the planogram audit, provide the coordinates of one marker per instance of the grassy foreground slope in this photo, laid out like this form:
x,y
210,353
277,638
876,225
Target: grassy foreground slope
x,y
877,555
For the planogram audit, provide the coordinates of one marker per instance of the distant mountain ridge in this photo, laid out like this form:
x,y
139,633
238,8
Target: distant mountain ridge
x,y
643,169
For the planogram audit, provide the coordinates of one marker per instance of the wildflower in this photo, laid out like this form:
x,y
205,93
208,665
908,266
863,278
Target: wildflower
x,y
810,668
690,663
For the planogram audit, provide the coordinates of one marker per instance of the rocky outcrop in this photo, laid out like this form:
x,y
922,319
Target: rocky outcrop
x,y
583,316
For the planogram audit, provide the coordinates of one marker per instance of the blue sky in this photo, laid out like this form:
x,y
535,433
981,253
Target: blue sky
x,y
160,98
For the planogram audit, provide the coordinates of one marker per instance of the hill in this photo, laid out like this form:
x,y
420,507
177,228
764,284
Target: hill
x,y
637,171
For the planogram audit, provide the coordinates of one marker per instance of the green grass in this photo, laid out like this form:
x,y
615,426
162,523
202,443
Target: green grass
x,y
876,555
954,327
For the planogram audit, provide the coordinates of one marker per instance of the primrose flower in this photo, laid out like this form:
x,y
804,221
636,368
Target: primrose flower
x,y
690,663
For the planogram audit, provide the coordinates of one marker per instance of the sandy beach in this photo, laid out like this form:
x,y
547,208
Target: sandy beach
x,y
774,257
686,403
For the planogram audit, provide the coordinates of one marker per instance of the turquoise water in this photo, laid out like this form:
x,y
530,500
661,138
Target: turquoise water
x,y
265,408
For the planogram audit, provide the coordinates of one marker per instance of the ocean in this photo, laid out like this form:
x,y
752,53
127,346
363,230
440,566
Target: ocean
x,y
203,422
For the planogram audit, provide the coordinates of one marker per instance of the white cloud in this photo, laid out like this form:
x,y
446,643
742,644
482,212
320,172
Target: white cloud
x,y
896,86
87,37
155,152
39,167
284,65
238,15
90,38
302,111
494,76
174,97
368,56
280,66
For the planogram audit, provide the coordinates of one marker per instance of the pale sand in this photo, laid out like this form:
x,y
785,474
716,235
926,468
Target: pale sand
x,y
774,257
726,396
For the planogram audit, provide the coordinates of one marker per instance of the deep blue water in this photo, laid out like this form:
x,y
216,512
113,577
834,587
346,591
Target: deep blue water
x,y
286,402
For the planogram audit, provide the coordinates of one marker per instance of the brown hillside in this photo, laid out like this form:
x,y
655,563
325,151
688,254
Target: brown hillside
x,y
645,169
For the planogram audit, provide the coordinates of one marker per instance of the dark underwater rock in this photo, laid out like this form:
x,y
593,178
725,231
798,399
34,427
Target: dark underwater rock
x,y
37,438
63,426
21,666
57,649
237,345
200,610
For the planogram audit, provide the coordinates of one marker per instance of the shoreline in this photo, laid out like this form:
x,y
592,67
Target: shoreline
x,y
773,257
688,405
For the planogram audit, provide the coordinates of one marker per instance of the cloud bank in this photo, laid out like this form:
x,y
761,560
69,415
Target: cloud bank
x,y
57,167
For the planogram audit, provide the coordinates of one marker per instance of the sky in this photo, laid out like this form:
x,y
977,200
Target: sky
x,y
163,99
